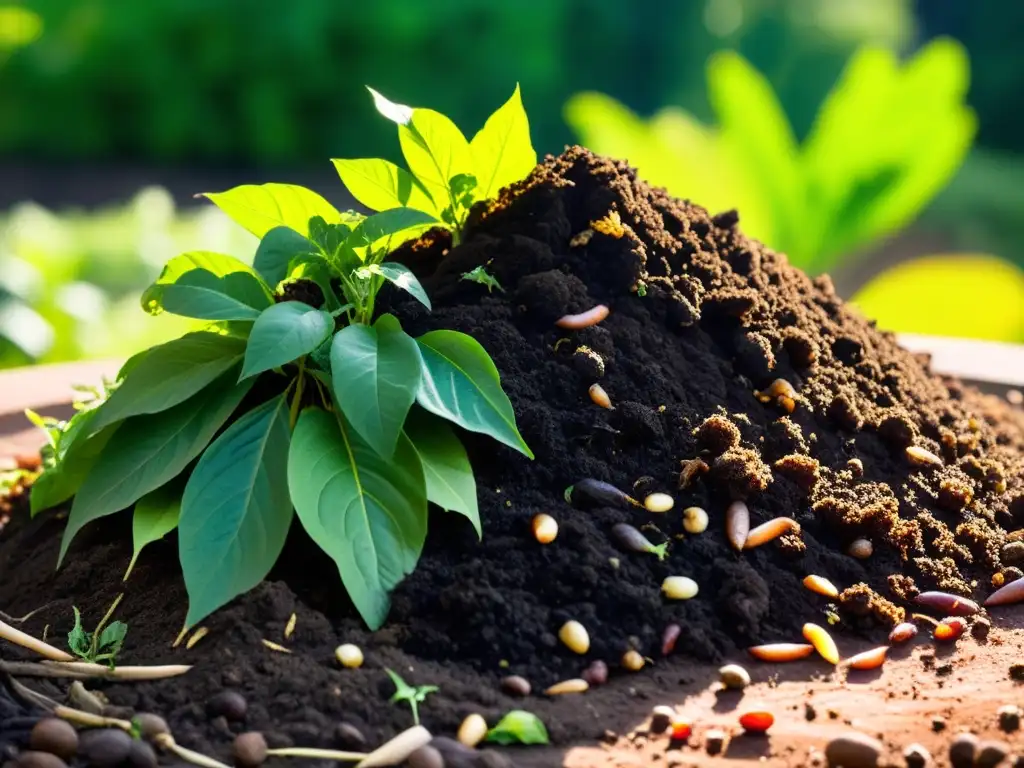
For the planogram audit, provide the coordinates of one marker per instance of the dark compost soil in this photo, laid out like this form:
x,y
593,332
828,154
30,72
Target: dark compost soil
x,y
701,317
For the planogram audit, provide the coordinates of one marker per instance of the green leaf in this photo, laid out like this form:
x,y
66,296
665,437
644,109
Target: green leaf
x,y
396,113
60,482
380,185
502,151
401,276
519,727
368,513
217,264
329,237
388,223
169,374
78,638
284,333
156,514
461,384
261,207
112,638
376,372
205,296
236,510
276,250
450,481
148,451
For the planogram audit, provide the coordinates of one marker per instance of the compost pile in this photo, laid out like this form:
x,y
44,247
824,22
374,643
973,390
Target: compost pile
x,y
702,320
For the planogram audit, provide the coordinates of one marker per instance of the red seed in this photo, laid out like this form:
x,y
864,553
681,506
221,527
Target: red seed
x,y
757,722
737,524
869,659
770,530
586,319
903,632
1007,594
953,605
681,729
949,629
669,638
780,652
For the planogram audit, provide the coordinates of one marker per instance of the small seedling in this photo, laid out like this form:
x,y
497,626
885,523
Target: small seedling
x,y
405,692
101,645
483,277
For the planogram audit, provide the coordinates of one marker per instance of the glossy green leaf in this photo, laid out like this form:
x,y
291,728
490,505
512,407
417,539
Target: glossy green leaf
x,y
169,374
368,513
151,450
934,295
261,207
450,481
396,113
284,333
519,727
435,151
276,250
380,185
62,481
217,264
502,151
461,384
236,511
389,223
156,515
401,276
376,373
205,296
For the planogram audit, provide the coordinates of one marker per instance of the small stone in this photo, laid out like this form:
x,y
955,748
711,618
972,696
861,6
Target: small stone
x,y
1013,553
980,629
455,755
34,759
661,718
714,740
962,750
938,724
944,669
104,747
1009,718
150,725
350,737
1017,672
917,756
249,749
514,685
141,754
928,659
854,750
488,758
231,704
809,711
734,676
991,753
56,736
596,674
425,757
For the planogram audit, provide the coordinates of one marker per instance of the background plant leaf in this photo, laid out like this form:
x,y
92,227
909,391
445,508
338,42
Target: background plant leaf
x,y
435,151
502,151
236,511
284,333
203,295
217,264
276,250
461,384
156,514
380,185
261,207
519,727
62,481
368,513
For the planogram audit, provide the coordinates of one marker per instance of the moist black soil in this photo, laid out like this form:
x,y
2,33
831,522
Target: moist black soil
x,y
702,320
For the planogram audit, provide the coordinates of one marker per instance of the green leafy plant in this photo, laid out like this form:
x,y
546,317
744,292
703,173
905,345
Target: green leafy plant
x,y
519,727
414,696
103,644
483,277
320,407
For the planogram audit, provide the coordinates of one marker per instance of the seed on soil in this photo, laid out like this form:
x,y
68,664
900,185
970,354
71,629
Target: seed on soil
x,y
661,718
229,704
872,659
1009,718
630,538
980,629
349,655
472,730
516,685
1007,594
860,548
289,628
669,637
780,388
599,397
770,530
757,722
276,647
104,747
33,759
714,741
596,673
658,502
545,528
198,635
150,725
142,755
991,753
679,588
822,641
903,632
922,457
249,749
399,748
821,585
695,520
950,604
592,316
853,750
781,652
681,729
917,756
949,629
962,750
632,660
426,757
576,685
574,636
734,676
56,736
602,494
737,524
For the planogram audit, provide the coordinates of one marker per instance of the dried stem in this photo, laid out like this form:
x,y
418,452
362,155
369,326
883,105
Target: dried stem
x,y
120,673
166,741
316,754
90,720
16,636
94,646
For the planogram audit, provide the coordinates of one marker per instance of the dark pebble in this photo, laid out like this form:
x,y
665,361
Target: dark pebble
x,y
454,753
220,725
349,737
56,736
596,674
810,713
141,754
426,757
980,629
1009,718
104,747
714,740
917,756
991,753
962,750
1013,553
854,750
1017,672
230,704
150,725
661,718
938,724
944,669
488,758
249,749
33,759
515,685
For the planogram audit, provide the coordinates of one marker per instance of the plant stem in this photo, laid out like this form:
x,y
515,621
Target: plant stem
x,y
94,645
293,415
89,719
315,754
166,741
119,673
16,636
